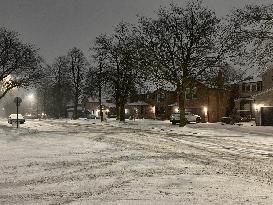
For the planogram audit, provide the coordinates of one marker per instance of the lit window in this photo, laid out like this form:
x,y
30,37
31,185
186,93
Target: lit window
x,y
194,92
188,93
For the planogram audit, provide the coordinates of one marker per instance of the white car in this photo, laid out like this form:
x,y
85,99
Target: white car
x,y
13,118
175,118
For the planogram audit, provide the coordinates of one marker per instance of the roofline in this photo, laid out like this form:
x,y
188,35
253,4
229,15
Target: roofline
x,y
263,92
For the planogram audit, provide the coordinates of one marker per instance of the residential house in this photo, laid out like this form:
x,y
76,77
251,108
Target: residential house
x,y
156,103
208,102
265,97
140,110
93,106
244,101
70,110
264,100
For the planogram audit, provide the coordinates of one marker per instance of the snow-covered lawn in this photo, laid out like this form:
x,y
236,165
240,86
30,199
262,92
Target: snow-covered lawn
x,y
139,162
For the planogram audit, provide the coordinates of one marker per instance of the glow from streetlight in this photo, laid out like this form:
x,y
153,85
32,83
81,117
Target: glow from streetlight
x,y
31,97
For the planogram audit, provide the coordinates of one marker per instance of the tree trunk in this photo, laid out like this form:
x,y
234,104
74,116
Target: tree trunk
x,y
122,112
181,104
59,103
75,113
118,108
101,113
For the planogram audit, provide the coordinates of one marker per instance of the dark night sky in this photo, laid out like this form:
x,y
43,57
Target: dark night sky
x,y
57,25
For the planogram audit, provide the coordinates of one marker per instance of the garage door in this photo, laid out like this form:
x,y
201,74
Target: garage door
x,y
267,116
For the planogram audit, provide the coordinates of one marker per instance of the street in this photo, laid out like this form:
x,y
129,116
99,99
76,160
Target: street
x,y
142,162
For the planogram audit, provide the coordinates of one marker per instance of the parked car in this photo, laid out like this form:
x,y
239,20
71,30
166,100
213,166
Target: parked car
x,y
13,118
91,116
226,120
190,117
112,115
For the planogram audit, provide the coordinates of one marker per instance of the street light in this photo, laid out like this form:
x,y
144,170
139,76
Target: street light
x,y
31,98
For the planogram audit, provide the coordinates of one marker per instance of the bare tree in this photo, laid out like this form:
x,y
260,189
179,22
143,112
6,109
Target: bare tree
x,y
77,65
20,64
121,58
60,85
251,30
54,89
97,76
180,46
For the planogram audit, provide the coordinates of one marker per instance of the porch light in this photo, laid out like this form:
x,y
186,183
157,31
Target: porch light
x,y
176,109
153,109
257,107
206,111
126,111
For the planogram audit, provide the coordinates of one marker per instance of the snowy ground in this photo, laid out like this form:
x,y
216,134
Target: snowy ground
x,y
141,162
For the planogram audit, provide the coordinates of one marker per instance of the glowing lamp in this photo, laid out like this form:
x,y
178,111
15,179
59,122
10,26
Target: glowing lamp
x,y
206,111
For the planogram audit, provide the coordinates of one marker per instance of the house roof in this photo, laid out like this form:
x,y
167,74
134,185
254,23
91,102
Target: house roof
x,y
90,99
79,108
263,92
138,103
110,105
103,101
244,98
174,104
71,104
254,79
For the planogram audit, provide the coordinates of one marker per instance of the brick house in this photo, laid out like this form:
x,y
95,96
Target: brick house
x,y
140,109
210,103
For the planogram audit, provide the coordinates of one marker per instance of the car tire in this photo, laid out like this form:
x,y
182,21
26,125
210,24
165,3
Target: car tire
x,y
198,120
174,123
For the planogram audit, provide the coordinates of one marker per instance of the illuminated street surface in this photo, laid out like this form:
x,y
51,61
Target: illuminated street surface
x,y
141,162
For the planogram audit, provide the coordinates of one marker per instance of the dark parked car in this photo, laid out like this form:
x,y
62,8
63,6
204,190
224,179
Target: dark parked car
x,y
91,116
112,115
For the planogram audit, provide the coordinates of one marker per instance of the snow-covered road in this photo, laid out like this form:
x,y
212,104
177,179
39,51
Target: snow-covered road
x,y
142,162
